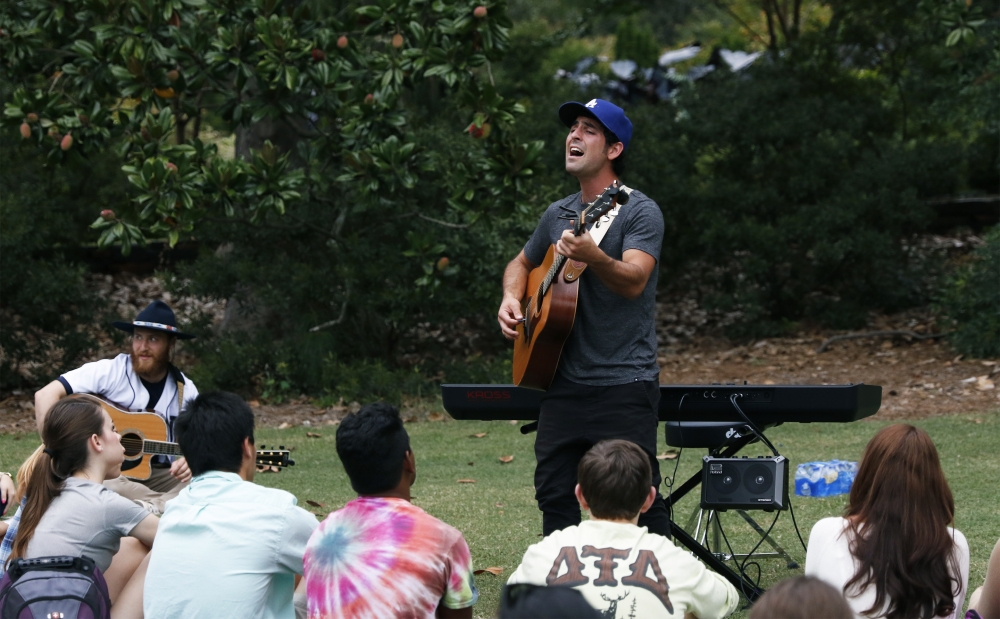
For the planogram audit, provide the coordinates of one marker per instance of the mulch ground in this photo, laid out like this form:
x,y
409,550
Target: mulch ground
x,y
918,379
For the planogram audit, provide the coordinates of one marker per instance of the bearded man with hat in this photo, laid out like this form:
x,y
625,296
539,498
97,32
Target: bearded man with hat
x,y
143,379
607,382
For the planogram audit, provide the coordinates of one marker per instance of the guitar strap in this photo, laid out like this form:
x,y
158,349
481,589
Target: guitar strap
x,y
574,270
602,225
179,381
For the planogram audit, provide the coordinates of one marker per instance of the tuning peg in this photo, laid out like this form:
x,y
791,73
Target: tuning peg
x,y
281,446
263,446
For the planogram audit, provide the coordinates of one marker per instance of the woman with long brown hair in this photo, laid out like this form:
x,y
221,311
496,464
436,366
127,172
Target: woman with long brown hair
x,y
69,512
894,554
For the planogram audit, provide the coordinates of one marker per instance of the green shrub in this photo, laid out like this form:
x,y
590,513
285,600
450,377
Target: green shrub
x,y
45,306
368,380
788,186
970,301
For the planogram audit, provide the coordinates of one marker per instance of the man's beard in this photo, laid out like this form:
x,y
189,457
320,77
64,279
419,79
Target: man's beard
x,y
150,367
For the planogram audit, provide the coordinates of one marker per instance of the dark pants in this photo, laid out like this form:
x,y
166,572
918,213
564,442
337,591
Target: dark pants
x,y
573,419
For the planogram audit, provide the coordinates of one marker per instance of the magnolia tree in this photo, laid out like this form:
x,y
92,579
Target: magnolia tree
x,y
321,104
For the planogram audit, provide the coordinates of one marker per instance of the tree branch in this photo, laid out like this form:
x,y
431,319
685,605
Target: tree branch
x,y
444,223
196,129
857,336
781,19
773,45
343,311
733,14
180,124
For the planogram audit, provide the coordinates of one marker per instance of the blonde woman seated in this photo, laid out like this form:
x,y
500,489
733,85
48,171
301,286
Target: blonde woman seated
x,y
8,496
13,497
895,554
69,512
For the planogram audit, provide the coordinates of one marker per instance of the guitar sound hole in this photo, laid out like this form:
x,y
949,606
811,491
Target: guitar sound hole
x,y
132,444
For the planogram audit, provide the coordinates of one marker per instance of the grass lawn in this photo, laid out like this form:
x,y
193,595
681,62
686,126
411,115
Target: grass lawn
x,y
499,518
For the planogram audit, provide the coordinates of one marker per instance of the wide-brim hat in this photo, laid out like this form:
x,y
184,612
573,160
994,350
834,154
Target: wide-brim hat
x,y
607,113
157,316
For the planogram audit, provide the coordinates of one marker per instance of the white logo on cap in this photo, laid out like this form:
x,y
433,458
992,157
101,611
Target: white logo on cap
x,y
591,103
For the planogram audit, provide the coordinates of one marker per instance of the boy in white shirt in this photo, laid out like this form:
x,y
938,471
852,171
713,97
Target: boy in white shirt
x,y
621,568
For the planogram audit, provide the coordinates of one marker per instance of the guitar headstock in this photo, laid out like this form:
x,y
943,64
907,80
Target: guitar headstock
x,y
612,196
279,458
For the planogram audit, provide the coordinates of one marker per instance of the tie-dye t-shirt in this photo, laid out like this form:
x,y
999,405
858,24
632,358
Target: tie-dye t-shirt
x,y
380,557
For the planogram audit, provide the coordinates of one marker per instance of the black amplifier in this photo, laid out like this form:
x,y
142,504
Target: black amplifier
x,y
744,483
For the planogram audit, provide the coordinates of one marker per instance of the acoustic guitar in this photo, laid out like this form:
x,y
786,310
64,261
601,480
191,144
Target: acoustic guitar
x,y
144,435
549,309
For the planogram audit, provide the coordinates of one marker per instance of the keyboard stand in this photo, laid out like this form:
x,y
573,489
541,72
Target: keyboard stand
x,y
749,589
712,522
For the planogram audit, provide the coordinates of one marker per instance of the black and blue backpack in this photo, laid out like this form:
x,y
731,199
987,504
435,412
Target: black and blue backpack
x,y
54,588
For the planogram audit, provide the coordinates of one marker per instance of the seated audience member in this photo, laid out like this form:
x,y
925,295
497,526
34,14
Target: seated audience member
x,y
802,597
7,492
68,511
226,546
8,529
622,569
894,555
533,601
986,599
381,556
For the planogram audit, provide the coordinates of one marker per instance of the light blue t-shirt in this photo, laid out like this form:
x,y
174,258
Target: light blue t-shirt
x,y
227,548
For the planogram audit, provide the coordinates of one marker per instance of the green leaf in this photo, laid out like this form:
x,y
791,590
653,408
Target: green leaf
x,y
371,11
291,77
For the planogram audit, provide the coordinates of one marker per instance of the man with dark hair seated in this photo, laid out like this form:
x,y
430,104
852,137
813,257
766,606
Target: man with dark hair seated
x,y
229,548
381,556
621,568
532,601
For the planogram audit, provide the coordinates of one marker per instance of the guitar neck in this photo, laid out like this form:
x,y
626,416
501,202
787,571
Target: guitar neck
x,y
557,264
161,448
273,457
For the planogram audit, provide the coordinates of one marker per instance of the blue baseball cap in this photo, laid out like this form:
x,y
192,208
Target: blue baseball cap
x,y
607,113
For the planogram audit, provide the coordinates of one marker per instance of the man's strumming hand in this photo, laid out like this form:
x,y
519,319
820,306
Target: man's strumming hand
x,y
509,316
180,471
515,278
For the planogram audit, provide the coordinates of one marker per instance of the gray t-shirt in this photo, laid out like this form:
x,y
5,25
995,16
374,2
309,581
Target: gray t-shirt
x,y
613,339
85,519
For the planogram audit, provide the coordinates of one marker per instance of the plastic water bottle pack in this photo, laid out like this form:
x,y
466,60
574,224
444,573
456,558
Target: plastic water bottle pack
x,y
819,479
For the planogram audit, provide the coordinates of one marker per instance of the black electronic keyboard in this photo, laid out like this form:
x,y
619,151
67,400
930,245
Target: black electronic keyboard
x,y
763,404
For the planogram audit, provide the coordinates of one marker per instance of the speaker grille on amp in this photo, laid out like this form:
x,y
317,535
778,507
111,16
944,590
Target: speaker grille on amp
x,y
744,483
726,479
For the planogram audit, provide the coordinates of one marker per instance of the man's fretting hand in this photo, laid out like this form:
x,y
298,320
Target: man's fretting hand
x,y
581,248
